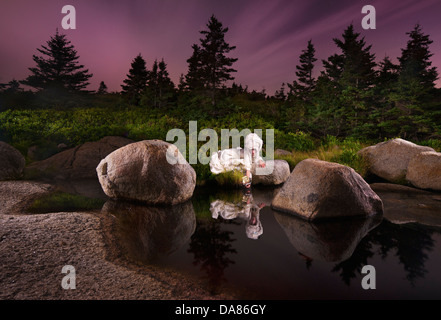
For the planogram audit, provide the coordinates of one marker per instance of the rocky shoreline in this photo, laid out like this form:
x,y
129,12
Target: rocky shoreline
x,y
35,247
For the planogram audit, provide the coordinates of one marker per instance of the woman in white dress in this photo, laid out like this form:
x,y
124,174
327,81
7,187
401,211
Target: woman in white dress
x,y
239,159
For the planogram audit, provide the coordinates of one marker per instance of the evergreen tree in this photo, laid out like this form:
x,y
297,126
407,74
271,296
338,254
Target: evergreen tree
x,y
387,74
280,94
182,84
237,89
193,78
136,81
160,88
305,83
209,67
383,112
414,113
102,89
12,86
416,71
355,66
347,83
58,70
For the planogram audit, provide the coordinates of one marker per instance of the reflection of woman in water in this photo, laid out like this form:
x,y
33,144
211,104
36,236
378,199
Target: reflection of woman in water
x,y
246,210
239,159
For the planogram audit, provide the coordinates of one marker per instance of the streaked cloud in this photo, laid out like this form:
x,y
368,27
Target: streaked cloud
x,y
269,34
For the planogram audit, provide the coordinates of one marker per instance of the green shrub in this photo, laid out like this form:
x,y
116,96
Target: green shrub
x,y
60,201
435,144
299,141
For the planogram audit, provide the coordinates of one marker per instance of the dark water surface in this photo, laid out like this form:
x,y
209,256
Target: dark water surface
x,y
231,239
284,257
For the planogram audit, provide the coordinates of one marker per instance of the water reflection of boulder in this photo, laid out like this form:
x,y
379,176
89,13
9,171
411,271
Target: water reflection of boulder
x,y
148,232
403,204
330,241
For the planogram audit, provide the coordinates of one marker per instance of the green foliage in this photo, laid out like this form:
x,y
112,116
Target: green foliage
x,y
332,149
349,156
299,141
229,179
433,143
60,201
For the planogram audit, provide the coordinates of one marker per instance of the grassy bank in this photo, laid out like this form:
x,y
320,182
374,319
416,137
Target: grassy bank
x,y
44,129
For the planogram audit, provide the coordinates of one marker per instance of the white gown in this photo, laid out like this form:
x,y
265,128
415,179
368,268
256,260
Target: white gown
x,y
237,158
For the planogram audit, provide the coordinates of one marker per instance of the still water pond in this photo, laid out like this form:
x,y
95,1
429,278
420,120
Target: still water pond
x,y
235,240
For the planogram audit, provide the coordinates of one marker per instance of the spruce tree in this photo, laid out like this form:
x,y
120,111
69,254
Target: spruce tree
x,y
58,69
381,112
102,88
182,85
387,74
355,66
305,83
280,94
136,81
346,84
209,66
193,78
160,88
415,65
415,112
166,87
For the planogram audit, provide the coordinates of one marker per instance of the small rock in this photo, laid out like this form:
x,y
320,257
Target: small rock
x,y
278,173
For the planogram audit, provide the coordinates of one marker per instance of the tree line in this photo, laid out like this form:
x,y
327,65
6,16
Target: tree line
x,y
353,95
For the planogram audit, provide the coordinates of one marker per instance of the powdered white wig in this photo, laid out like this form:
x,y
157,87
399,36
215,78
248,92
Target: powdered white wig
x,y
253,141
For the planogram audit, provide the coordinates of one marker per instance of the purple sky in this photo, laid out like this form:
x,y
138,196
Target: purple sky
x,y
269,34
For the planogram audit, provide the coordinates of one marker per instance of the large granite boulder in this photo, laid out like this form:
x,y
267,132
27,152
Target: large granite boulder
x,y
142,171
319,189
76,163
389,160
278,173
12,162
424,170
